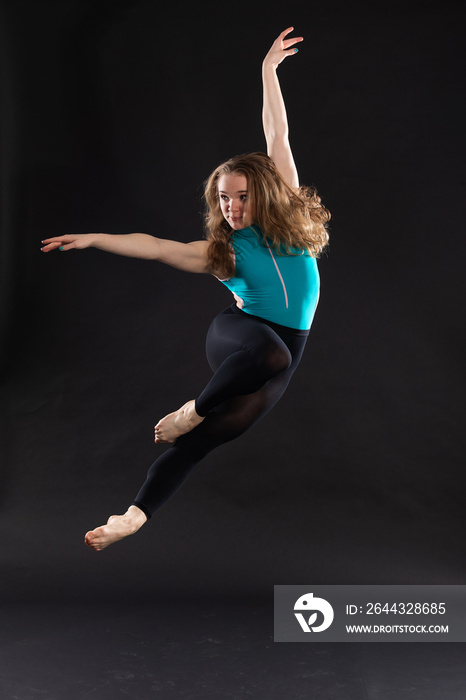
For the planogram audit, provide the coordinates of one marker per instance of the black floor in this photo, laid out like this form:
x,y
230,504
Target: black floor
x,y
204,650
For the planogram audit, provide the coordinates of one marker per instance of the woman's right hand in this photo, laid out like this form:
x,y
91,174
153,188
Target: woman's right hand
x,y
70,241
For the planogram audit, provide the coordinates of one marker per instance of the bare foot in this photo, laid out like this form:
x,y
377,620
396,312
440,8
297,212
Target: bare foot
x,y
178,423
117,527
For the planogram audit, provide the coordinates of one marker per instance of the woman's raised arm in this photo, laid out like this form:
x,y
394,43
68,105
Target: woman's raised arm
x,y
274,117
191,257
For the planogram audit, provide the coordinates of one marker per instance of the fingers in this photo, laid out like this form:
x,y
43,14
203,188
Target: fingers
x,y
69,246
56,244
66,238
291,42
288,42
282,47
50,246
54,239
66,242
284,33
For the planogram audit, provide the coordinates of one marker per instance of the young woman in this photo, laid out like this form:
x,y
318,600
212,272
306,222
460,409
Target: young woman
x,y
264,233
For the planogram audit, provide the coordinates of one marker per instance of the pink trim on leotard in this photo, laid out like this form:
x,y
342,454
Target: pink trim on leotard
x,y
279,273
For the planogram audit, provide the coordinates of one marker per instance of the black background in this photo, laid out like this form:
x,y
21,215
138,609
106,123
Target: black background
x,y
114,113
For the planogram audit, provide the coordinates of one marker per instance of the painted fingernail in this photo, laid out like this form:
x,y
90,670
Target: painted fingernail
x,y
61,247
296,50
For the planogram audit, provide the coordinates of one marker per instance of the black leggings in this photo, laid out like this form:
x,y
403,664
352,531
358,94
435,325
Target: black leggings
x,y
253,361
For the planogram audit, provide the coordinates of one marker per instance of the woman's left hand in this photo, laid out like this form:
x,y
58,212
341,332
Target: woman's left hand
x,y
281,48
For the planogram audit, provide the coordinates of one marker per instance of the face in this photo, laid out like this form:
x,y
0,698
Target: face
x,y
234,200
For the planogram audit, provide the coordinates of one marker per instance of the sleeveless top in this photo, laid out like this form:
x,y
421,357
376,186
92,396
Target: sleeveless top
x,y
280,288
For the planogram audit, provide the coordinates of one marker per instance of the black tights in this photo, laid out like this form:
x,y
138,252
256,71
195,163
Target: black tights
x,y
253,361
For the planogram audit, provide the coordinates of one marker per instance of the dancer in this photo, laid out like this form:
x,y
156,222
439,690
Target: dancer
x,y
264,233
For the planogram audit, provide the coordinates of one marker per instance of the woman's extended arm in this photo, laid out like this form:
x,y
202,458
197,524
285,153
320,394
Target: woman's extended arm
x,y
191,257
274,117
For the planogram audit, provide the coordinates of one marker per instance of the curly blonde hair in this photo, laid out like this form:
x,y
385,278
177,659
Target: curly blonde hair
x,y
290,218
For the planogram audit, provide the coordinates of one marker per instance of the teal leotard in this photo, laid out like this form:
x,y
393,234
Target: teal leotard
x,y
283,289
